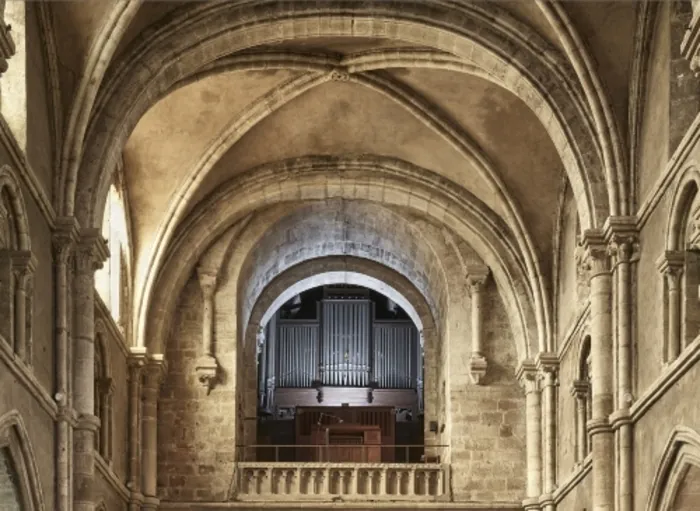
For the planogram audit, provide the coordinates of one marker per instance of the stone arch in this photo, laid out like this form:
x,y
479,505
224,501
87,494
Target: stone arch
x,y
584,351
375,273
682,452
14,440
359,179
18,215
437,27
686,189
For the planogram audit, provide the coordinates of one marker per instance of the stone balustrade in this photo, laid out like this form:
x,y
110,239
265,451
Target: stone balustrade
x,y
262,481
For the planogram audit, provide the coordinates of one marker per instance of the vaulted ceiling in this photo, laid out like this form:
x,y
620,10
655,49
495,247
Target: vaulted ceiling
x,y
502,101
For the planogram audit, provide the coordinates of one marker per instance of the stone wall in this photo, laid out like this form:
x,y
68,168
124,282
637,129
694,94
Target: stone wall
x,y
488,420
196,431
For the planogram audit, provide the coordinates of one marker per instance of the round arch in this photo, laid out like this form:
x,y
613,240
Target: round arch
x,y
687,188
288,182
368,272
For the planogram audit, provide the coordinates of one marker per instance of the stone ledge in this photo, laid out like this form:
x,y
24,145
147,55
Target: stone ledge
x,y
573,480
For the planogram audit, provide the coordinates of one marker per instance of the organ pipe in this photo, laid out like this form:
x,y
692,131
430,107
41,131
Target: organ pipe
x,y
346,346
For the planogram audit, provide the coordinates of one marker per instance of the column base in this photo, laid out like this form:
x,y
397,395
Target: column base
x,y
150,504
531,504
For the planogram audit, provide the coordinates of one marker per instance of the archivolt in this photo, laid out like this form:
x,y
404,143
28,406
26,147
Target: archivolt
x,y
375,179
19,212
206,33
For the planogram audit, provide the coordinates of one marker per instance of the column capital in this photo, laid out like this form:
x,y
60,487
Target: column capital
x,y
64,238
596,253
155,369
580,389
477,274
207,280
138,357
526,375
23,263
622,236
547,362
671,263
91,251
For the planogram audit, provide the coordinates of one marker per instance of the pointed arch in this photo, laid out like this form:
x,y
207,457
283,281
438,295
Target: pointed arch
x,y
686,189
682,451
9,182
14,440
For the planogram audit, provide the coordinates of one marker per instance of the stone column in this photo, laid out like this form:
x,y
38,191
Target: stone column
x,y
64,239
137,361
671,265
623,240
527,376
548,365
206,367
107,390
476,281
580,391
154,372
602,369
23,266
91,253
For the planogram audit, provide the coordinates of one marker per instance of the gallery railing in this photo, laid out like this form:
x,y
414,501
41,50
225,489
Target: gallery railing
x,y
319,480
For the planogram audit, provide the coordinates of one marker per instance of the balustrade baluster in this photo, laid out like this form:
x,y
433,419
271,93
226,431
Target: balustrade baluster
x,y
438,482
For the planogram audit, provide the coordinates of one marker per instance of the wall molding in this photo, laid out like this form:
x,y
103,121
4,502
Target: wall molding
x,y
111,478
575,330
573,480
27,379
670,375
675,166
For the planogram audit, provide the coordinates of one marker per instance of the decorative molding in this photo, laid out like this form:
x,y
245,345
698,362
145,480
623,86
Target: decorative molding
x,y
675,166
575,330
573,480
671,374
27,379
690,45
111,477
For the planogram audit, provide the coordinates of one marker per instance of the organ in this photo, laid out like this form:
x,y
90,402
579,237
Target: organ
x,y
344,352
351,352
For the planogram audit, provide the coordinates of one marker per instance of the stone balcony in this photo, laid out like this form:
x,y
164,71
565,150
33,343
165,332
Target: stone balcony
x,y
337,482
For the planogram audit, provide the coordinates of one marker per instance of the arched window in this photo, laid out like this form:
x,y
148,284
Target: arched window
x,y
103,400
17,266
111,280
582,393
680,267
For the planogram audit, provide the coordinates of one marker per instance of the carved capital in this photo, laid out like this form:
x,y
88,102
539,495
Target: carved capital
x,y
547,367
476,278
206,370
596,255
671,264
580,389
527,376
155,369
477,369
207,281
91,251
136,361
65,237
23,266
